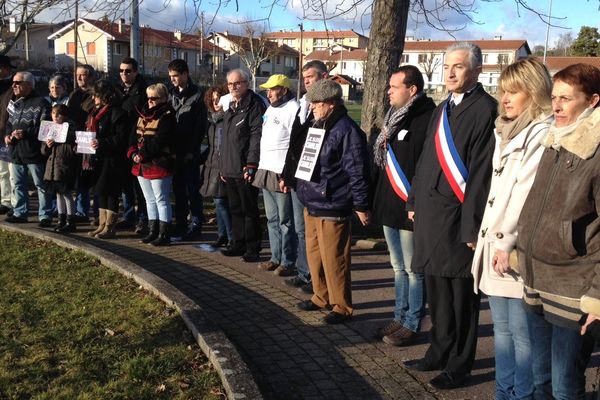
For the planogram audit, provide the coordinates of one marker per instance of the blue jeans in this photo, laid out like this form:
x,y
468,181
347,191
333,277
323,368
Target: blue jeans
x,y
410,307
280,224
560,358
18,177
157,194
223,217
514,373
301,263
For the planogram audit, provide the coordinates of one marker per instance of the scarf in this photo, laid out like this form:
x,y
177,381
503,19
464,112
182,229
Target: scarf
x,y
507,129
215,116
391,121
88,161
556,135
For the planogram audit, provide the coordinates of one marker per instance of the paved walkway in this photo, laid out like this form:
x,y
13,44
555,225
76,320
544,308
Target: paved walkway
x,y
291,353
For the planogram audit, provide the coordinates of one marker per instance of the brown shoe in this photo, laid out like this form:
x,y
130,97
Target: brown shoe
x,y
402,337
388,329
282,270
268,266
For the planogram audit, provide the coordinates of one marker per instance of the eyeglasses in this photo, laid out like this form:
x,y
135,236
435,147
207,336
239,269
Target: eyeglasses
x,y
125,71
233,84
152,98
18,83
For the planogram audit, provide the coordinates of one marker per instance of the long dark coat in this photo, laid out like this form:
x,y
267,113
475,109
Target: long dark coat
x,y
443,225
112,167
212,185
388,208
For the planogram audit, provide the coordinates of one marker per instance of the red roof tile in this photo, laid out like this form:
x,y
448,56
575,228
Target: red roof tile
x,y
558,63
313,34
442,45
325,55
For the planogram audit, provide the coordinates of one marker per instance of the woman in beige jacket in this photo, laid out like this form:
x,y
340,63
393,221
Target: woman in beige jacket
x,y
524,119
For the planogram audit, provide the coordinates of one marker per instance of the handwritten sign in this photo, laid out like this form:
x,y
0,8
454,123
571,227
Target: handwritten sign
x,y
54,131
310,153
84,142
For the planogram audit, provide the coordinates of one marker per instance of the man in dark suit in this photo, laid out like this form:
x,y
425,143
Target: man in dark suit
x,y
447,202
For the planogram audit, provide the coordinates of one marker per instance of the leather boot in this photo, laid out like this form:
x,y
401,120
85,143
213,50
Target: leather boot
x,y
101,222
153,233
110,228
62,221
69,226
164,236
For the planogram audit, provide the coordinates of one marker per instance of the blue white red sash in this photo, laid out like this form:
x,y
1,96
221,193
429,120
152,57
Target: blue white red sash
x,y
396,176
453,167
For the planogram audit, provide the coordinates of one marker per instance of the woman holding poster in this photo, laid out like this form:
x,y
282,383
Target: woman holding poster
x,y
108,167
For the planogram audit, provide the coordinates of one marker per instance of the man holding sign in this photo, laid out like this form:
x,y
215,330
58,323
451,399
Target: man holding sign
x,y
26,111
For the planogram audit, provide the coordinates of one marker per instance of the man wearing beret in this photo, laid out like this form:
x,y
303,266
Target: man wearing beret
x,y
337,187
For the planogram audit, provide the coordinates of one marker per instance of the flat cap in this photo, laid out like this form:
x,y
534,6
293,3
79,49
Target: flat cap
x,y
324,90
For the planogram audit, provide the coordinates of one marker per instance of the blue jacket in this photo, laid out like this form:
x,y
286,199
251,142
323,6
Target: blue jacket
x,y
340,182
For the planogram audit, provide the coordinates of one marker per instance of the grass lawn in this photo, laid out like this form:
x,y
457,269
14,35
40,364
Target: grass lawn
x,y
73,329
354,110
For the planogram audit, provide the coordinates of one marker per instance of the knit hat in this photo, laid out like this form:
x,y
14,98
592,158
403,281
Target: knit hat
x,y
324,90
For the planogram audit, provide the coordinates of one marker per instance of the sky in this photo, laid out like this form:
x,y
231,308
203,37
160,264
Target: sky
x,y
489,18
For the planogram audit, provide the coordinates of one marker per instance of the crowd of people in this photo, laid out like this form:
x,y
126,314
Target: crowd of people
x,y
475,195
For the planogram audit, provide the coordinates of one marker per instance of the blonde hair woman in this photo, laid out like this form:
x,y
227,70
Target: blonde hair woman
x,y
524,118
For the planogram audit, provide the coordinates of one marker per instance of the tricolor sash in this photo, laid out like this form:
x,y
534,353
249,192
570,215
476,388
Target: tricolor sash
x,y
396,176
453,167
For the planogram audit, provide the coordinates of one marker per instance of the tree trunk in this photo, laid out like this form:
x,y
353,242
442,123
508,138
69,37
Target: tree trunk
x,y
388,29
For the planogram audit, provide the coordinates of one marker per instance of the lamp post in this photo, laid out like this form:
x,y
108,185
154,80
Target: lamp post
x,y
547,30
300,62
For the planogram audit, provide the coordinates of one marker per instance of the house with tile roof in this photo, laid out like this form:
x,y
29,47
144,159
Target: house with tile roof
x,y
319,40
429,56
281,59
555,64
40,50
103,44
342,61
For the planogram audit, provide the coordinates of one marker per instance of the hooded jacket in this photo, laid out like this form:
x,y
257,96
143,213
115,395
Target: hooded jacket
x,y
559,229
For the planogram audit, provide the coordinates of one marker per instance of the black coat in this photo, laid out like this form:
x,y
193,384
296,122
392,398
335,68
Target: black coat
x,y
407,152
297,139
443,225
80,105
212,185
242,130
190,112
134,99
112,168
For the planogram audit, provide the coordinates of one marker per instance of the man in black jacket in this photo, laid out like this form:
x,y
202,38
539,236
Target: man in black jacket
x,y
5,96
26,110
133,90
446,203
190,111
240,152
396,152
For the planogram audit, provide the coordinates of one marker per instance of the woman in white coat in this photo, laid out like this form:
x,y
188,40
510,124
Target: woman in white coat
x,y
524,118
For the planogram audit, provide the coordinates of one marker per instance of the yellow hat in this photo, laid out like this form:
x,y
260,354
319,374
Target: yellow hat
x,y
277,80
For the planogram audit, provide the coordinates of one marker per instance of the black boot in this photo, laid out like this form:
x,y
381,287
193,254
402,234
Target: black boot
x,y
152,233
69,226
62,221
164,235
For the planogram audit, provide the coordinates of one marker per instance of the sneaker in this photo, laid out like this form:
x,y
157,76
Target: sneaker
x,y
282,270
15,220
268,266
307,289
402,337
296,282
45,223
388,329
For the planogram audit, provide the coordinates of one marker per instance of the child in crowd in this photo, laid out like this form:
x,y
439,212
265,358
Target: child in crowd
x,y
61,171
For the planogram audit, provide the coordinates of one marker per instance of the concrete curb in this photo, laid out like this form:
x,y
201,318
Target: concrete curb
x,y
235,374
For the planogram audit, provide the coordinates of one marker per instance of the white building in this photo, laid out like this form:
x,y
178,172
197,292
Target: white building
x,y
342,61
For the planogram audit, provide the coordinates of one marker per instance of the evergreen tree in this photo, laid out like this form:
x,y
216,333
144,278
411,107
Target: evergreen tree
x,y
587,43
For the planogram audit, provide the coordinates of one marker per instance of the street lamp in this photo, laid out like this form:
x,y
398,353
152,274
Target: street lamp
x,y
300,61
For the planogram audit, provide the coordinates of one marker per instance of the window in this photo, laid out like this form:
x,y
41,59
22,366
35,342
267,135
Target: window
x,y
184,56
422,58
118,48
90,48
404,59
485,58
71,48
51,44
343,64
503,59
278,59
198,59
173,54
290,61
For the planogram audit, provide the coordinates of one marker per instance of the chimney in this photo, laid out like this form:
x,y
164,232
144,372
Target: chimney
x,y
121,22
225,33
177,34
498,37
410,38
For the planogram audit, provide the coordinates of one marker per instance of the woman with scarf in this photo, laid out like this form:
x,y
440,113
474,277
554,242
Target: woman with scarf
x,y
524,118
151,151
212,185
559,238
274,143
402,138
106,169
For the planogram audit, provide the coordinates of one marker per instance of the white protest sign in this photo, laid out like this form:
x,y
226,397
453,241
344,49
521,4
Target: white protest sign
x,y
54,131
84,142
310,153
